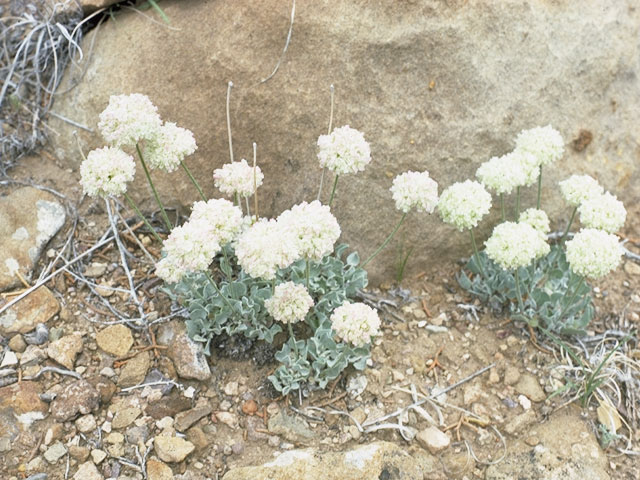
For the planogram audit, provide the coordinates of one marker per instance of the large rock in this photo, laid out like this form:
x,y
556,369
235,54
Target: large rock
x,y
77,398
20,407
29,218
382,460
434,85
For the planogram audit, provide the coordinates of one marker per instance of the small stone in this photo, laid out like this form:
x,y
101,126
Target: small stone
x,y
532,440
108,372
249,407
493,376
228,418
237,448
520,422
86,423
38,307
78,397
96,269
137,434
184,420
157,470
98,456
87,471
125,417
511,375
528,385
165,423
231,389
524,402
472,393
17,343
56,333
200,439
439,320
39,336
115,339
54,432
135,370
33,355
103,386
632,268
65,350
433,439
9,360
187,355
79,453
55,452
37,464
114,438
172,449
289,427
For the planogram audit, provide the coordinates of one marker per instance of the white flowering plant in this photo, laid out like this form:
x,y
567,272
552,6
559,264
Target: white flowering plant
x,y
285,280
520,271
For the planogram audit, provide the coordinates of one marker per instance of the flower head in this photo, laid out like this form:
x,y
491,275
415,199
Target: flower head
x,y
593,253
415,190
503,174
290,303
314,228
106,171
189,248
578,188
538,219
221,218
344,151
355,323
604,212
463,204
129,119
544,142
513,245
169,147
238,178
266,247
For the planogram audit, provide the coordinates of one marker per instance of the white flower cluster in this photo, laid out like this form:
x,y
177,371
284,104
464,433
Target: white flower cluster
x,y
355,323
129,119
221,218
313,227
544,142
538,219
415,190
604,212
264,248
106,171
593,253
344,151
169,146
513,245
578,188
238,178
503,174
290,303
189,248
463,204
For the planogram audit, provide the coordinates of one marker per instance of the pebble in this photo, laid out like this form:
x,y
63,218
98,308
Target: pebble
x,y
98,456
165,423
524,402
511,375
172,449
65,350
135,370
228,418
116,340
9,360
33,355
125,417
17,343
78,397
231,389
157,470
87,471
433,439
249,407
528,385
185,419
96,269
86,423
55,452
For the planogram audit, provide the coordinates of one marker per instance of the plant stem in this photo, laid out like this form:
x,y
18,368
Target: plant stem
x,y
385,243
255,181
517,203
477,254
504,215
215,286
573,295
193,180
518,293
165,217
333,190
328,133
308,272
144,219
239,203
273,286
226,259
293,337
229,121
539,188
564,235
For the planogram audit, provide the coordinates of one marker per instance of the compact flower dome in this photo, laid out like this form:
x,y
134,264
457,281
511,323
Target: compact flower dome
x,y
503,174
514,245
238,178
604,212
290,303
545,143
538,219
344,151
464,204
355,323
578,188
169,147
593,253
106,171
415,190
129,119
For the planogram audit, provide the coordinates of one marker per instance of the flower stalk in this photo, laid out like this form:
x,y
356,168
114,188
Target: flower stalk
x,y
165,217
386,242
194,181
142,217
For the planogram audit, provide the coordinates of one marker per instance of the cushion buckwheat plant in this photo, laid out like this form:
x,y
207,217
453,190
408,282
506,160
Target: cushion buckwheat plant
x,y
518,259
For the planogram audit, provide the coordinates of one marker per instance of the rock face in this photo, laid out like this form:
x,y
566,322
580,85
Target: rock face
x,y
24,316
29,218
376,460
441,86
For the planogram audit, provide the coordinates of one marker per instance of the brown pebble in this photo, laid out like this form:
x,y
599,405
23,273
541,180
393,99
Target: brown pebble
x,y
249,407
